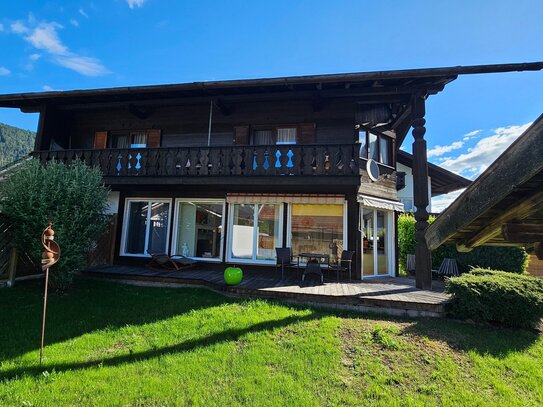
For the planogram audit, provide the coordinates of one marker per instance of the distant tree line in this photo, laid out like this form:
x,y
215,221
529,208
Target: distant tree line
x,y
15,143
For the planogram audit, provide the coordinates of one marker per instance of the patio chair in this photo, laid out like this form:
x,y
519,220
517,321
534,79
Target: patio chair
x,y
410,264
164,262
285,259
448,268
345,264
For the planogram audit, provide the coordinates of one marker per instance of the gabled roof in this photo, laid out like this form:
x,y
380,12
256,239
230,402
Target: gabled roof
x,y
397,87
443,181
405,80
509,192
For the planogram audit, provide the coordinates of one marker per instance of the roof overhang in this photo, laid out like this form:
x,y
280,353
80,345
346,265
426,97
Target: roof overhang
x,y
504,206
393,87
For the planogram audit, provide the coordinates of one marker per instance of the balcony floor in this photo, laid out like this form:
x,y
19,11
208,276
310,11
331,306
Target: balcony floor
x,y
394,296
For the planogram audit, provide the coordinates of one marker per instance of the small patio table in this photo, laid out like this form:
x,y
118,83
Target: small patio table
x,y
313,264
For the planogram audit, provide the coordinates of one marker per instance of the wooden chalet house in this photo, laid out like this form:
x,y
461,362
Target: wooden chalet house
x,y
227,171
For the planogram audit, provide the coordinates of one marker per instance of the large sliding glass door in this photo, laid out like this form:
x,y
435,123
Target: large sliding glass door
x,y
255,232
199,229
377,242
146,227
317,228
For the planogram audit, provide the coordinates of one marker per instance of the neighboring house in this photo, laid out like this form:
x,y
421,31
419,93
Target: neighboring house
x,y
226,171
440,181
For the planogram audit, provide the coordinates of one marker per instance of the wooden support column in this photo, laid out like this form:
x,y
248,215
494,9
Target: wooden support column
x,y
423,256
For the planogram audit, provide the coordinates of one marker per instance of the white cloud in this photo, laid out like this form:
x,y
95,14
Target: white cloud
x,y
74,22
84,65
1,27
83,13
487,149
471,134
18,27
135,3
44,36
442,202
47,88
440,150
4,71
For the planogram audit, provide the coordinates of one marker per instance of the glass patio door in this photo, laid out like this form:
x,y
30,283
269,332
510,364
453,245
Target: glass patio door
x,y
255,232
377,256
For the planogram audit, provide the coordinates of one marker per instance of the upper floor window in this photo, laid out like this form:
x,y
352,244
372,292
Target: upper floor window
x,y
286,135
377,147
277,135
130,140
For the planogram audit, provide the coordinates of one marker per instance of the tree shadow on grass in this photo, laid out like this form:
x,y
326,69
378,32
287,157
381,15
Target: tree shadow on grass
x,y
89,306
462,336
481,339
186,346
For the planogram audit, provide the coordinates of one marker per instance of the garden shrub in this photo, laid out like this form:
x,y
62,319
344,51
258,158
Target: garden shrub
x,y
496,296
510,259
72,196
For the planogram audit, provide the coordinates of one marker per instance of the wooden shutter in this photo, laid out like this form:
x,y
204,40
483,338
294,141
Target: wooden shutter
x,y
306,134
241,135
100,139
153,138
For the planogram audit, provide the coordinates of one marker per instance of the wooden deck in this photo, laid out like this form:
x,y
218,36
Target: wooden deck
x,y
394,296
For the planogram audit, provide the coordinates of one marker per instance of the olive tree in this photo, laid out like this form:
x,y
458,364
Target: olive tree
x,y
72,196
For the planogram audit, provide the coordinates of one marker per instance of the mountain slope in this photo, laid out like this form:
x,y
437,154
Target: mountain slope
x,y
15,143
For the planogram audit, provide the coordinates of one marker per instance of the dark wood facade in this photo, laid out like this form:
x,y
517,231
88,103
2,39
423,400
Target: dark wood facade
x,y
192,150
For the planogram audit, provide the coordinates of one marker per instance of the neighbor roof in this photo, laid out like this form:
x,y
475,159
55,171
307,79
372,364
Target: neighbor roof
x,y
509,192
443,181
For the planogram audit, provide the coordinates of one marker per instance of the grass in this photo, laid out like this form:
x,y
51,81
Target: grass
x,y
114,344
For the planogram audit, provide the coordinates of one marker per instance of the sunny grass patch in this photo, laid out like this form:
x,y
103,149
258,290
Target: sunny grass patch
x,y
113,344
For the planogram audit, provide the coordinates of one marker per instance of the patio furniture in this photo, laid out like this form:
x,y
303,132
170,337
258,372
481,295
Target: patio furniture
x,y
345,263
410,263
313,265
448,268
164,262
284,259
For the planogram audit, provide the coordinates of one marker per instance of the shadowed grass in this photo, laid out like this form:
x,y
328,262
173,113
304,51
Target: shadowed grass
x,y
114,344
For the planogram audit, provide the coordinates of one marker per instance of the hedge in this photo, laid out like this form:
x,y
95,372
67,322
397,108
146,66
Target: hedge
x,y
496,296
510,259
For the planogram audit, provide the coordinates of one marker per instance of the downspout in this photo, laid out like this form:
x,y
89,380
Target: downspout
x,y
210,121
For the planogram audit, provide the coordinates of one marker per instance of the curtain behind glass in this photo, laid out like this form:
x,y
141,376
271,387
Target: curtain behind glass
x,y
286,136
139,140
263,137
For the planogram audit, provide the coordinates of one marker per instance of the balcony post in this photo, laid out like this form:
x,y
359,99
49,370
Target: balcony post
x,y
423,256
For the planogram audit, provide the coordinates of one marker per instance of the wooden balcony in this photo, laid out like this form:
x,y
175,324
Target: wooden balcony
x,y
191,164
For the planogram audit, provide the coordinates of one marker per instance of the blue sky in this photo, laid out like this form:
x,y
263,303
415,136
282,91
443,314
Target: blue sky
x,y
58,45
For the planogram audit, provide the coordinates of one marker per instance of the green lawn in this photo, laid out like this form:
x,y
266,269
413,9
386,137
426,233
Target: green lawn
x,y
114,344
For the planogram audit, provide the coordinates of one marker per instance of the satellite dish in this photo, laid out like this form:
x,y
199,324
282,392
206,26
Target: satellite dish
x,y
373,170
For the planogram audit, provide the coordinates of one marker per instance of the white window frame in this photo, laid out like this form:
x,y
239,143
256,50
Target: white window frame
x,y
127,202
253,260
223,221
390,248
289,225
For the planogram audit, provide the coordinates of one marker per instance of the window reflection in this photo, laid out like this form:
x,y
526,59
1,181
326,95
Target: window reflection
x,y
317,228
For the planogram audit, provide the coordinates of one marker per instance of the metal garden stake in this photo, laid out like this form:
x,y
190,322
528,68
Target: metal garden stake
x,y
50,256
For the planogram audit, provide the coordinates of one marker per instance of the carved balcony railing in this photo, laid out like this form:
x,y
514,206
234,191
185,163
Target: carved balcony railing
x,y
301,160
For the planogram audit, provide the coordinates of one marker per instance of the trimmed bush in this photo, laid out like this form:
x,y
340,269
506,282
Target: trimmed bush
x,y
510,259
72,196
497,296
